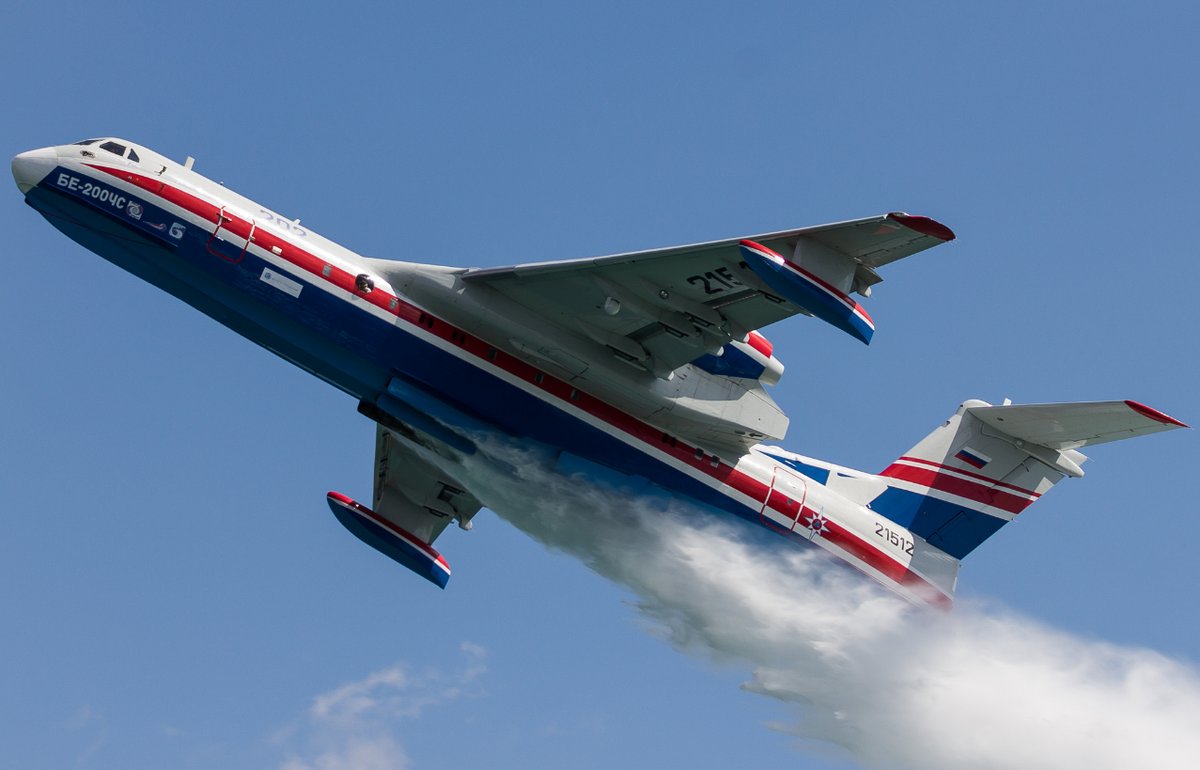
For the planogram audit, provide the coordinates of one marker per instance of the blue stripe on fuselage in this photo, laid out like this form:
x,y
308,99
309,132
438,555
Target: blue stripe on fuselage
x,y
814,472
188,272
953,528
349,346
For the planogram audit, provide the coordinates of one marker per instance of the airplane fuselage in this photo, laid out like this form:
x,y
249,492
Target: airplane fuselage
x,y
414,334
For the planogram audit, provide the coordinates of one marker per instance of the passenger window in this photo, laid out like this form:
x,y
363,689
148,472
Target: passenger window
x,y
133,156
113,147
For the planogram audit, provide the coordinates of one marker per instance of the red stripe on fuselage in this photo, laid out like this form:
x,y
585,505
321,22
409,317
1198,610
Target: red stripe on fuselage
x,y
655,439
980,476
848,541
965,488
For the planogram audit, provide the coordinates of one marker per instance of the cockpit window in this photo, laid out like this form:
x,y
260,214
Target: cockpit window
x,y
88,141
113,147
133,156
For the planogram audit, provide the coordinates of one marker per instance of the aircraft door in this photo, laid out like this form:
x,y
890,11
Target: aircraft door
x,y
781,510
232,235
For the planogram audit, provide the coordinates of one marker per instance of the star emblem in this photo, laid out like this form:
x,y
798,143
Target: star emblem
x,y
818,524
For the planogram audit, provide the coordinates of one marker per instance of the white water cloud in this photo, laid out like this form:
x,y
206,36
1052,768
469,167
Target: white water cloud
x,y
354,727
895,685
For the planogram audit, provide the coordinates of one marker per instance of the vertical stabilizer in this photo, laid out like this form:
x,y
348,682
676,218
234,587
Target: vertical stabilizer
x,y
979,469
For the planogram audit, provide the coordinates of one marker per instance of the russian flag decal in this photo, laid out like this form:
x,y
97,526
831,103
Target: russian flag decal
x,y
973,458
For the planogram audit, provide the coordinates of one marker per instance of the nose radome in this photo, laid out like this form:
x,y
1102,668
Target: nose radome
x,y
31,167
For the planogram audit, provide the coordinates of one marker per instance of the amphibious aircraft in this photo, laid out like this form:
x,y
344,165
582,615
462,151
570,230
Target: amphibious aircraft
x,y
647,366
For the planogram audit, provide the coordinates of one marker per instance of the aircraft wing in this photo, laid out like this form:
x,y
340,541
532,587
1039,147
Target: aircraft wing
x,y
663,308
413,493
413,503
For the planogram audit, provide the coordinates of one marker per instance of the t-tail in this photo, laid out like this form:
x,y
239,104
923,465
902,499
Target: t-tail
x,y
978,470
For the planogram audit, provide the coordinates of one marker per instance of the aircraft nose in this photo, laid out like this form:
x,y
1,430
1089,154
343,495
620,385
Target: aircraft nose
x,y
31,167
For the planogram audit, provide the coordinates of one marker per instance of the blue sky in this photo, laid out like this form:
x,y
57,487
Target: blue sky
x,y
175,591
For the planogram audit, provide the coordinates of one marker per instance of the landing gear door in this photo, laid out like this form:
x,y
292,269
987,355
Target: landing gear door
x,y
232,235
782,508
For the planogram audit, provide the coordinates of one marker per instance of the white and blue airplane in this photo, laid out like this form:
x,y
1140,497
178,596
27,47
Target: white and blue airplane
x,y
644,367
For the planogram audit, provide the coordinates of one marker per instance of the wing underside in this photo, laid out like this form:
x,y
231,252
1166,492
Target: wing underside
x,y
669,335
663,308
413,493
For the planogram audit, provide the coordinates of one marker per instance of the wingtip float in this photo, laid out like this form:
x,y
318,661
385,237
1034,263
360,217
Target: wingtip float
x,y
389,539
807,290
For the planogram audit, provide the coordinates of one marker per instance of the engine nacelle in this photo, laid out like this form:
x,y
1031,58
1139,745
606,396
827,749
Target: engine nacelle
x,y
753,359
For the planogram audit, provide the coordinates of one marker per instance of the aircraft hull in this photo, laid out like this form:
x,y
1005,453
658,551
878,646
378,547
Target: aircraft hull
x,y
364,345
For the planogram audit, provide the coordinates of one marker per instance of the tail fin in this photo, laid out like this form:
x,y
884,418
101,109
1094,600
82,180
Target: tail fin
x,y
983,466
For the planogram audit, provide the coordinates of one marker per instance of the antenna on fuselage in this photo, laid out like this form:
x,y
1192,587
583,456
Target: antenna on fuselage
x,y
187,164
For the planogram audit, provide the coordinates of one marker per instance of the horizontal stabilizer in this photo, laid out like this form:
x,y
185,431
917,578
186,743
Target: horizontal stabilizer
x,y
979,469
1071,426
391,540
